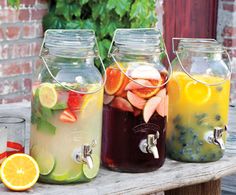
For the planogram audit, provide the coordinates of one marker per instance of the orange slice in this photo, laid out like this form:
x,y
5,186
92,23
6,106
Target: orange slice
x,y
121,91
148,92
197,93
19,172
114,80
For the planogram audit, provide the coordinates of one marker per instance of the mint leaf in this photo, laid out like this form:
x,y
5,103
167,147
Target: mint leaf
x,y
46,112
45,126
60,106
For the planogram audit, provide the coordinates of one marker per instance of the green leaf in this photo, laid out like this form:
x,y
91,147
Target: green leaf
x,y
45,126
74,24
46,112
82,2
103,47
98,10
60,106
14,3
121,6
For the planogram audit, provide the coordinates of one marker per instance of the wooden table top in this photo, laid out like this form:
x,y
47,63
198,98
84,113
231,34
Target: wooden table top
x,y
172,175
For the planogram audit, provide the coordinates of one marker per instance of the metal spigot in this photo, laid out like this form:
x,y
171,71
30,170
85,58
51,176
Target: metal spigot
x,y
83,154
217,138
149,145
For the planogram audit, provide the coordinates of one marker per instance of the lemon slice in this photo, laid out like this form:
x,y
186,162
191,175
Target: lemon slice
x,y
44,159
19,172
91,173
197,93
48,95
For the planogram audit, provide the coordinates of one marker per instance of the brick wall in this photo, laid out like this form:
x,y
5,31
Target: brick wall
x,y
20,40
226,34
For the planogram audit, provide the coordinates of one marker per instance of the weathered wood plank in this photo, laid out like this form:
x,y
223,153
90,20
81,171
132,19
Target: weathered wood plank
x,y
208,188
172,175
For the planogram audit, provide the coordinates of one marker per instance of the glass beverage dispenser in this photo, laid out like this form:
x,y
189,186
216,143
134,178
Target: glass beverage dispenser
x,y
67,108
199,100
135,102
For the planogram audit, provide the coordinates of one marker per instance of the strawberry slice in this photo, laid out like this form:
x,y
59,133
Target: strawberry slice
x,y
67,116
74,100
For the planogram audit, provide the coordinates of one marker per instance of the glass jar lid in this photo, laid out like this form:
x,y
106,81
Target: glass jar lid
x,y
144,41
70,43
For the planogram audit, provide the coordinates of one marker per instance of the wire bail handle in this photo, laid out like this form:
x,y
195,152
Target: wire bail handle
x,y
203,40
44,51
111,54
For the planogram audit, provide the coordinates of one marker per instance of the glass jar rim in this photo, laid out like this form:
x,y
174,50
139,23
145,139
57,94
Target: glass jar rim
x,y
70,43
200,45
11,120
140,40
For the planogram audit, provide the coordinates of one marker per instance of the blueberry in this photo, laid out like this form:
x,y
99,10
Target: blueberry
x,y
177,119
217,117
195,136
219,88
213,156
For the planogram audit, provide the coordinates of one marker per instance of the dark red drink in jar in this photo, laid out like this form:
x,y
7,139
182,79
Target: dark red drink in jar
x,y
135,111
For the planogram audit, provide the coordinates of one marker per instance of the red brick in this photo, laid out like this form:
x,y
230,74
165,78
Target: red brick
x,y
11,69
10,86
36,46
39,30
1,34
13,32
29,31
24,15
3,3
229,42
229,7
27,84
37,14
229,31
4,51
26,68
27,2
16,99
232,52
20,50
8,15
38,64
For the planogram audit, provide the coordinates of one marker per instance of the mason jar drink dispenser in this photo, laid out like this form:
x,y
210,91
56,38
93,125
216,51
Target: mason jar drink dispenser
x,y
67,108
199,100
135,102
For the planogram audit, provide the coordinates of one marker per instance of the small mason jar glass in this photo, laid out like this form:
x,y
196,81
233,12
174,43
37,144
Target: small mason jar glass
x,y
12,136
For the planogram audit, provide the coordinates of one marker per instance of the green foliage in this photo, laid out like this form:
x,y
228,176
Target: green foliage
x,y
13,3
103,16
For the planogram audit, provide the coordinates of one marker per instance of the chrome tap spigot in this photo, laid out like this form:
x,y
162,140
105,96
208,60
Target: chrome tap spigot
x,y
217,137
87,155
83,154
148,145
